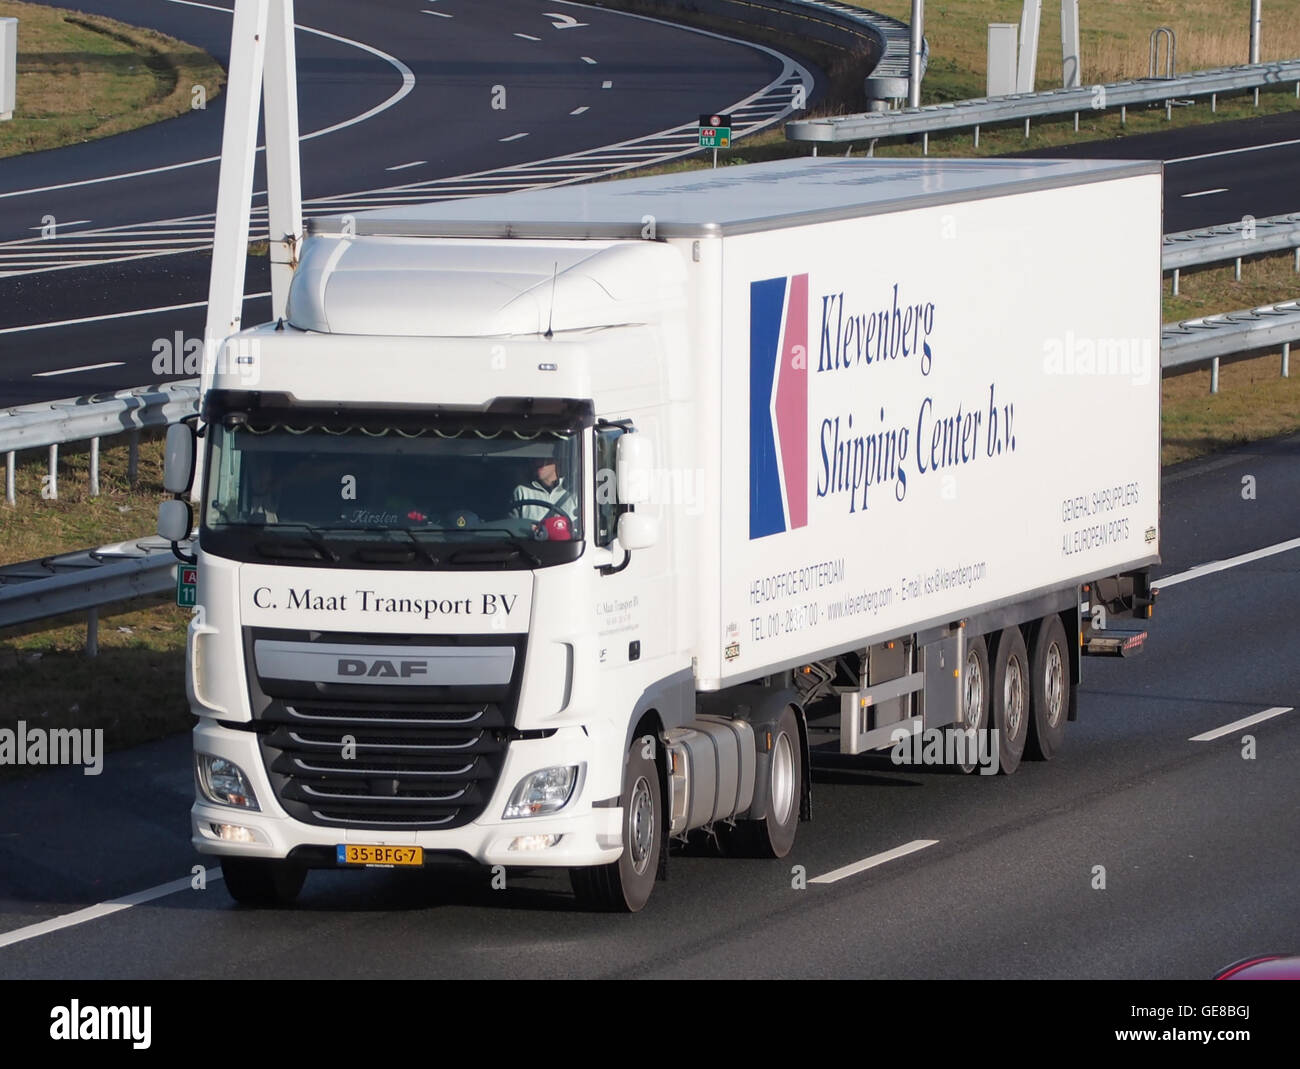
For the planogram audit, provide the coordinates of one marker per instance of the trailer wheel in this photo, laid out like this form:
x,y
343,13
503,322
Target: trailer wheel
x,y
975,687
1050,689
624,886
1011,698
773,835
256,881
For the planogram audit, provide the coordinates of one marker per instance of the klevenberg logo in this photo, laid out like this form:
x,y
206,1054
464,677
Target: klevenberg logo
x,y
778,405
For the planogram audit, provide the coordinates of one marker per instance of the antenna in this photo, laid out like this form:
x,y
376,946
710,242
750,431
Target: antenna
x,y
550,318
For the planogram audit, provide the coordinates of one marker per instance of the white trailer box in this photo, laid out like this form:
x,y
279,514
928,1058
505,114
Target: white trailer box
x,y
864,444
918,387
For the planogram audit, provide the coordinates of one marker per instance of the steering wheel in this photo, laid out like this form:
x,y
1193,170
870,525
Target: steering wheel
x,y
540,504
539,530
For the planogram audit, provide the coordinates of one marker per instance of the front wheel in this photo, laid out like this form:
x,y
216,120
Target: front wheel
x,y
624,886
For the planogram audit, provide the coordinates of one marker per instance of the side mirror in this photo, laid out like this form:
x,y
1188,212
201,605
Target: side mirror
x,y
175,520
178,462
635,470
636,530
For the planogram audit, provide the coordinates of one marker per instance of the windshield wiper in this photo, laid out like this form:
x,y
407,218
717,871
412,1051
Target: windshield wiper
x,y
312,538
514,547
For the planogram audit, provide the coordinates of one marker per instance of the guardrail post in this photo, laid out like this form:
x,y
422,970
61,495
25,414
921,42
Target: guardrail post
x,y
1026,129
1123,115
1076,122
51,491
977,135
1286,359
1236,271
1214,375
1175,290
94,467
1214,101
11,463
1256,96
1297,258
92,633
925,144
133,458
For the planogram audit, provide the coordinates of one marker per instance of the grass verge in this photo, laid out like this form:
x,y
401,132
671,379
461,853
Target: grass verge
x,y
82,77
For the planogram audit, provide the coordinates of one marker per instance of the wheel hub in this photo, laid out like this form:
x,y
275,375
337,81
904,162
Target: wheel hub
x,y
641,825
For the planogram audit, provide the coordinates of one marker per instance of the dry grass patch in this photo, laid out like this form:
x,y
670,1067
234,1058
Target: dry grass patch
x,y
36,527
82,77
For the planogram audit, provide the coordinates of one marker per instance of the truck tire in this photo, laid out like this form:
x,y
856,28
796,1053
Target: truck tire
x,y
1049,689
1010,698
624,886
975,690
256,881
773,835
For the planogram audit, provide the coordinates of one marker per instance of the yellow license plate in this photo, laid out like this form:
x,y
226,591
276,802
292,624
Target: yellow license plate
x,y
360,854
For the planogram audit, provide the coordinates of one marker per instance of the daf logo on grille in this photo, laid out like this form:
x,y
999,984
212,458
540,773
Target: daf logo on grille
x,y
381,669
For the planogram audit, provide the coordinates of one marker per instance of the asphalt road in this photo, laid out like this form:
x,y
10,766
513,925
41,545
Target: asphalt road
x,y
434,79
1215,173
1200,846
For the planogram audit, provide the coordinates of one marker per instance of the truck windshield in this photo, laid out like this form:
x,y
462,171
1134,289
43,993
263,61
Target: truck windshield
x,y
343,494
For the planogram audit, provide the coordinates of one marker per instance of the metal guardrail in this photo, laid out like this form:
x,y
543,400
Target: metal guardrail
x,y
85,581
1231,241
984,111
78,419
1194,341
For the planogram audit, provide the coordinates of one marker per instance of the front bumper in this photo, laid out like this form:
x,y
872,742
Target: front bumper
x,y
588,836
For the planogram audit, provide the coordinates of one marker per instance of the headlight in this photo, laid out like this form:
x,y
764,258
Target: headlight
x,y
542,792
223,782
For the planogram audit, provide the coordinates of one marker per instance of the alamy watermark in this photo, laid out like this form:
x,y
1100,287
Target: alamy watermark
x,y
959,747
76,1021
179,355
1071,355
22,745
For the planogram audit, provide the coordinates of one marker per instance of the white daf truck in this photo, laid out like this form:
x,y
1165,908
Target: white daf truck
x,y
546,528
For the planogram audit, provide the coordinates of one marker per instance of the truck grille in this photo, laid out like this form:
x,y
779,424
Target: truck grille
x,y
388,758
384,766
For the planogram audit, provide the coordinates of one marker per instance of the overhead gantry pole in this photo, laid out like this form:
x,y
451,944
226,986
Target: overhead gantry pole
x,y
263,67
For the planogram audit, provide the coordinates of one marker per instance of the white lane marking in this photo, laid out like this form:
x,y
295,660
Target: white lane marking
x,y
1233,151
75,370
440,14
1223,565
121,315
607,85
578,111
408,84
103,909
404,166
513,137
1237,725
875,859
588,59
1205,192
60,226
528,37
